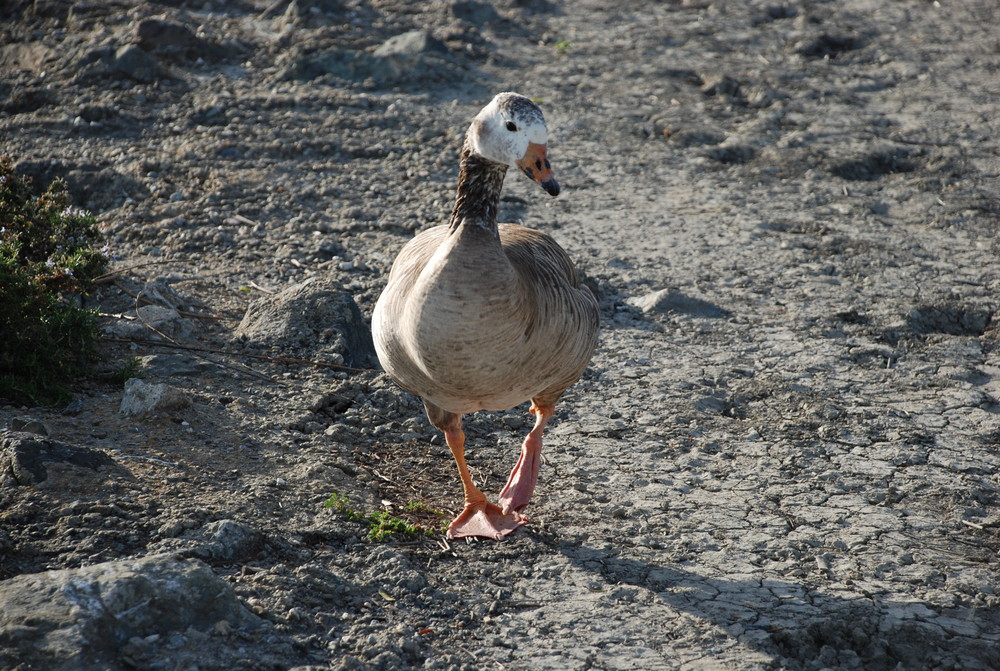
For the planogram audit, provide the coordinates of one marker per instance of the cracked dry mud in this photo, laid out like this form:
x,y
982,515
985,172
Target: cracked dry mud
x,y
785,452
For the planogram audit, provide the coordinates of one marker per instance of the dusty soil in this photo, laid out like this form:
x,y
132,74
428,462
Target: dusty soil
x,y
785,452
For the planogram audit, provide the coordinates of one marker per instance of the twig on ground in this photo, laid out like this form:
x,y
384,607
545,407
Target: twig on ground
x,y
263,289
109,276
139,298
259,357
150,459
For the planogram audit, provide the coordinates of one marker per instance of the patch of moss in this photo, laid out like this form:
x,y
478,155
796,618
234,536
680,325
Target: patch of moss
x,y
381,524
49,257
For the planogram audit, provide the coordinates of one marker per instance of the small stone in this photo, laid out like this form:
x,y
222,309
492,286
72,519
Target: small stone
x,y
142,398
410,56
136,64
410,43
513,422
176,41
230,540
476,13
29,425
671,300
170,365
156,317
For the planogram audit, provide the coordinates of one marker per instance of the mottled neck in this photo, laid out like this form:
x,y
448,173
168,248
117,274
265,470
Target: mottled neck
x,y
479,184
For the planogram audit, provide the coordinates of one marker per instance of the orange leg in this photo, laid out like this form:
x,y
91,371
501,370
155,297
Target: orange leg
x,y
480,517
521,485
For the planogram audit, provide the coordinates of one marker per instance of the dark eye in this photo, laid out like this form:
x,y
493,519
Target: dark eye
x,y
511,126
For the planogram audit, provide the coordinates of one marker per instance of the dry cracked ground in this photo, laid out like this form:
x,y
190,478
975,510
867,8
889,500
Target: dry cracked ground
x,y
783,456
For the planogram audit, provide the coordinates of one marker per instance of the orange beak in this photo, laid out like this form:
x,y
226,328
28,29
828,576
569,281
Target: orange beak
x,y
535,164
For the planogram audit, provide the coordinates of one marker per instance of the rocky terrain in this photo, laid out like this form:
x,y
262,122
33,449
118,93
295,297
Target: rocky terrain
x,y
783,456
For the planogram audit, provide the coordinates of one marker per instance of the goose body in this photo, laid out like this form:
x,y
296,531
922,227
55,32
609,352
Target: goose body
x,y
484,316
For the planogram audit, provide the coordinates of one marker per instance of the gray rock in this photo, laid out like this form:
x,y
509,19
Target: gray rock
x,y
74,619
476,13
408,57
409,45
142,398
136,64
28,459
174,39
316,318
720,84
159,291
950,319
91,61
150,321
340,63
174,365
671,300
164,319
697,136
29,425
230,540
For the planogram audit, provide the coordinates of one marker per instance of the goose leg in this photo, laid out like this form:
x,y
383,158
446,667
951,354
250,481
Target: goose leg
x,y
480,517
521,485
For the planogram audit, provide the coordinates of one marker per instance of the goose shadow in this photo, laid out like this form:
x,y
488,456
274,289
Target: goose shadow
x,y
801,627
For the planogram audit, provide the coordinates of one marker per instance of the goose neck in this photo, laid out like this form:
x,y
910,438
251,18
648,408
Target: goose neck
x,y
478,198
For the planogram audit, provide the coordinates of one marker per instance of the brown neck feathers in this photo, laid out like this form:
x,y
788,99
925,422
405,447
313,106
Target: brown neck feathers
x,y
478,198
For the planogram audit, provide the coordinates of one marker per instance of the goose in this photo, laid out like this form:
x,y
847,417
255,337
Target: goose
x,y
478,315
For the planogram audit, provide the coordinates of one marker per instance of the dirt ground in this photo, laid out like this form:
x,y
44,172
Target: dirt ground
x,y
785,452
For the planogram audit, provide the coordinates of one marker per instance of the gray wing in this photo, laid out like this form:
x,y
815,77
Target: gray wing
x,y
565,324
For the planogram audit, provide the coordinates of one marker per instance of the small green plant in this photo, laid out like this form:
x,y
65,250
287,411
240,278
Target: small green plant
x,y
561,47
126,371
382,524
49,256
421,507
342,505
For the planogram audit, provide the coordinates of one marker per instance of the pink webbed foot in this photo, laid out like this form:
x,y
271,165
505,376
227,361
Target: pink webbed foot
x,y
486,520
516,494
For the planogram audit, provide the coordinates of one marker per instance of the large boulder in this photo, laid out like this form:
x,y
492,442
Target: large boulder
x,y
317,319
35,460
83,618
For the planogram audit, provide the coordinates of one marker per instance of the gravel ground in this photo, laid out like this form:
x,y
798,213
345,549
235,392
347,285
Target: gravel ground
x,y
785,452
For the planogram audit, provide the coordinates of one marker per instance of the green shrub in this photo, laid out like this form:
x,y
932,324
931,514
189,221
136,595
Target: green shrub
x,y
49,256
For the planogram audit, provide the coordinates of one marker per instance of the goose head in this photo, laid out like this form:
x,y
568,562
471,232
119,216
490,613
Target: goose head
x,y
511,130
